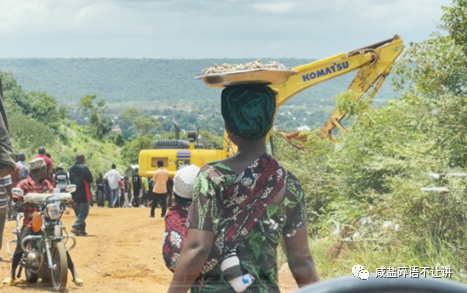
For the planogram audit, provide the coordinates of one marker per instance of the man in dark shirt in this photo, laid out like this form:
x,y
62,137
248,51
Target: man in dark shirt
x,y
100,191
81,176
137,192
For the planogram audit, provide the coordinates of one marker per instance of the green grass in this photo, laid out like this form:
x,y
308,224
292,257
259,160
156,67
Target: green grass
x,y
99,154
430,253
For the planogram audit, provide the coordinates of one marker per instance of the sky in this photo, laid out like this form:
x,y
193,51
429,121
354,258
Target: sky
x,y
175,29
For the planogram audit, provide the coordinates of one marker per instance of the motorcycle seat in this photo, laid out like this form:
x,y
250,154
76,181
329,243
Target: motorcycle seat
x,y
36,198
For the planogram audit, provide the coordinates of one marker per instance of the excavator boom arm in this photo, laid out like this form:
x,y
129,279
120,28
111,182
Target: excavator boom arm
x,y
374,63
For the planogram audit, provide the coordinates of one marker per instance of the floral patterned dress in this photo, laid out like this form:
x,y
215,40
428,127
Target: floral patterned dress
x,y
257,251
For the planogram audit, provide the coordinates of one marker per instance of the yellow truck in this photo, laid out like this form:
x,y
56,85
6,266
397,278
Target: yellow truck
x,y
374,63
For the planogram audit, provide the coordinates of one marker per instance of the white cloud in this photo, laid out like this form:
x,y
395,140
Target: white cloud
x,y
208,28
273,7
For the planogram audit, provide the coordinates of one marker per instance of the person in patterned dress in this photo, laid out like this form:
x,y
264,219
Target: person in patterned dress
x,y
176,230
246,203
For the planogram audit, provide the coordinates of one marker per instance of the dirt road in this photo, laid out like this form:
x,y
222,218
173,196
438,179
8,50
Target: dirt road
x,y
122,253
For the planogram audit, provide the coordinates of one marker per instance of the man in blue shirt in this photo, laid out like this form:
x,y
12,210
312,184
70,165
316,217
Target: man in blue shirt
x,y
24,168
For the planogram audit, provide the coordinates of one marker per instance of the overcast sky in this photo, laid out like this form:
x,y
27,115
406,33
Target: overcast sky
x,y
208,28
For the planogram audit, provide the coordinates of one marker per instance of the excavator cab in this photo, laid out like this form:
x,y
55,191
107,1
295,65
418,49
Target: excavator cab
x,y
177,153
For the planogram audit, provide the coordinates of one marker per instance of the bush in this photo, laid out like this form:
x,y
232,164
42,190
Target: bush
x,y
130,152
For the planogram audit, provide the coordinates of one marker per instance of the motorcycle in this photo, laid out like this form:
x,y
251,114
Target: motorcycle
x,y
45,250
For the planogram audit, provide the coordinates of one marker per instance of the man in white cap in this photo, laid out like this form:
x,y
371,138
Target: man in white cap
x,y
61,178
183,183
176,217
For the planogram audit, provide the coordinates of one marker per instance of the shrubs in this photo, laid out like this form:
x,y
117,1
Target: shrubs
x,y
363,194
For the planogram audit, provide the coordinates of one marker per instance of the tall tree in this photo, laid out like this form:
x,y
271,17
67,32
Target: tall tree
x,y
455,21
130,114
144,125
98,126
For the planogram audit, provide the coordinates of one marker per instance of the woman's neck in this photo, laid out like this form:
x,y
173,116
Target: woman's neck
x,y
250,154
253,149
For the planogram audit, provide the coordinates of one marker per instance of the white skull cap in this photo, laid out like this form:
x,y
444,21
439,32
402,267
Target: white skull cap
x,y
37,164
184,180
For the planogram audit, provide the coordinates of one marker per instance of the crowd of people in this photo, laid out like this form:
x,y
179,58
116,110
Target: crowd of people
x,y
113,188
135,190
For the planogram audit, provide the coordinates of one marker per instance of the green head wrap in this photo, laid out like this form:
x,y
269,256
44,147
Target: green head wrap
x,y
248,110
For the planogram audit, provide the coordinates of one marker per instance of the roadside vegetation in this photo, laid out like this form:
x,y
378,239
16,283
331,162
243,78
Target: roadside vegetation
x,y
35,119
363,192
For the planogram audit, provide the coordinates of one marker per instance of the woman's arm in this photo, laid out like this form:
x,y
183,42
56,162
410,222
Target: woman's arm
x,y
192,259
299,257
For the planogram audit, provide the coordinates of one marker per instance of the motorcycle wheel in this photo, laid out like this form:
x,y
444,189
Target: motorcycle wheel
x,y
32,275
46,278
60,274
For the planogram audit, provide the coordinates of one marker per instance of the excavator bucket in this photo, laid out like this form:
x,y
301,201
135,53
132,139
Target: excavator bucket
x,y
290,137
294,137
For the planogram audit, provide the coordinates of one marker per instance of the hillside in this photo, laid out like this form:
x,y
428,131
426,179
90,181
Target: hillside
x,y
135,82
101,154
35,119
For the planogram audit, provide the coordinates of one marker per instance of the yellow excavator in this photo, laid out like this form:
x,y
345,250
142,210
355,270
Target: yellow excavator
x,y
373,63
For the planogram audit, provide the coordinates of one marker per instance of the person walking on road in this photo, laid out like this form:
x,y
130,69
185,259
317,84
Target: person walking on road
x,y
5,198
24,168
113,177
100,191
61,178
81,176
151,188
145,185
126,190
244,205
160,189
137,197
121,199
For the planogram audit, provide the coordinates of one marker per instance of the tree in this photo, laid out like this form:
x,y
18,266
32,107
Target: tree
x,y
44,108
144,125
27,133
13,91
99,127
119,140
455,22
130,152
63,112
86,103
130,114
210,139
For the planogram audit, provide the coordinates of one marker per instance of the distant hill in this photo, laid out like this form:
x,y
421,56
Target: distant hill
x,y
152,83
